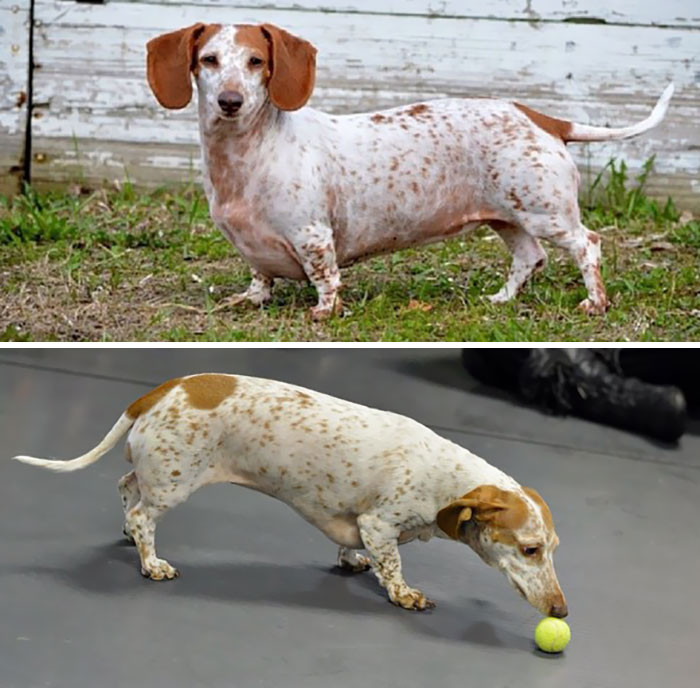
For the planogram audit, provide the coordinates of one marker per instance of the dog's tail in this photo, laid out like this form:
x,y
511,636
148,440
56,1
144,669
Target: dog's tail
x,y
110,439
573,131
583,132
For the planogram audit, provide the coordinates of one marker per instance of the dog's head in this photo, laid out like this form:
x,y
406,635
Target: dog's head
x,y
513,531
238,70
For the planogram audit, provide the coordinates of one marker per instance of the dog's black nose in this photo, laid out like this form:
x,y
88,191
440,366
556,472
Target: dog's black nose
x,y
230,102
559,611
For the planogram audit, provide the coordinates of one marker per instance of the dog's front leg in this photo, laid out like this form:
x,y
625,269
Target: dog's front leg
x,y
315,248
381,542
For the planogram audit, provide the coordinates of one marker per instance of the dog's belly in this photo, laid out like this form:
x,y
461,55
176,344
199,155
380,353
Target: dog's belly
x,y
380,221
396,235
342,530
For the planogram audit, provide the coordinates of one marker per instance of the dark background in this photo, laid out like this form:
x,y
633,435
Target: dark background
x,y
259,603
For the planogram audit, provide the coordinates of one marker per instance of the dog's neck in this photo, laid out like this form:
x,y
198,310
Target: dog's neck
x,y
467,471
232,153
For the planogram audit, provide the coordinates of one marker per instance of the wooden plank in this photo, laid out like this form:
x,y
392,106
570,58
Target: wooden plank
x,y
597,74
14,63
682,13
93,162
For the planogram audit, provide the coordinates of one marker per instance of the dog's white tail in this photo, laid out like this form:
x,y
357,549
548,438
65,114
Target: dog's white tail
x,y
583,132
110,439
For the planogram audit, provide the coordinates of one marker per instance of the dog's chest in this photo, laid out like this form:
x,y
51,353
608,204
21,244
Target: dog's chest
x,y
261,246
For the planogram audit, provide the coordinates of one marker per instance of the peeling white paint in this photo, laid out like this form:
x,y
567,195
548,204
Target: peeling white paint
x,y
669,13
14,60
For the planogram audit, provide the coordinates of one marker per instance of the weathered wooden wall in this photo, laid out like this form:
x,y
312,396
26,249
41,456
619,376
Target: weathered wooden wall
x,y
590,60
14,69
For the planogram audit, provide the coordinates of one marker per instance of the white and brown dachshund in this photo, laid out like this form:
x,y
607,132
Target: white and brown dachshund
x,y
368,479
301,193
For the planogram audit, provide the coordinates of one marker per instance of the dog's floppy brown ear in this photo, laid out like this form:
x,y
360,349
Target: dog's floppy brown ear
x,y
169,61
450,518
292,69
479,503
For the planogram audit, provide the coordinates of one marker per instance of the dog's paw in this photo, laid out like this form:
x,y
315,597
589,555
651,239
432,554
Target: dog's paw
x,y
237,301
159,569
499,297
323,312
590,307
410,598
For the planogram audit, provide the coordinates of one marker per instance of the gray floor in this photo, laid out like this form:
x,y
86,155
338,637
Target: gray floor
x,y
259,604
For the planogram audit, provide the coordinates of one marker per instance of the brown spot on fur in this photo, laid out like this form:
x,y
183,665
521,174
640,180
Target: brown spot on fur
x,y
559,128
544,508
517,202
417,109
252,36
175,473
505,537
147,401
207,391
378,118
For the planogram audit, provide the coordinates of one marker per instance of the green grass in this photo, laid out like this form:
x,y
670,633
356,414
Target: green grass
x,y
120,264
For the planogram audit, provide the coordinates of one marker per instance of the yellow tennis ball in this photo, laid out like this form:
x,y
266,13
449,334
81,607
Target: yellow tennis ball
x,y
552,635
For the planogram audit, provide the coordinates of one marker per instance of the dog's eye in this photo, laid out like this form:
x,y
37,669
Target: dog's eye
x,y
530,551
210,60
255,61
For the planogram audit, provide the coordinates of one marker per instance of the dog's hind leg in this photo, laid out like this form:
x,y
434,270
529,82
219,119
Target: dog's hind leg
x,y
141,523
129,492
528,258
351,560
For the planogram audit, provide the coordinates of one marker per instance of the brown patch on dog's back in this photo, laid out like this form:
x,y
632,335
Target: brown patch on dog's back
x,y
147,401
559,128
207,391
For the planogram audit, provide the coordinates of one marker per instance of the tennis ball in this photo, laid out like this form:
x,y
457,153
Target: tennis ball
x,y
552,635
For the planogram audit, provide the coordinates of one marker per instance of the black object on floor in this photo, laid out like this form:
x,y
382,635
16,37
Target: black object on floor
x,y
585,382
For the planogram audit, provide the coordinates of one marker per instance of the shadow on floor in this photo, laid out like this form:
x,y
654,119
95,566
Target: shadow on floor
x,y
112,570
